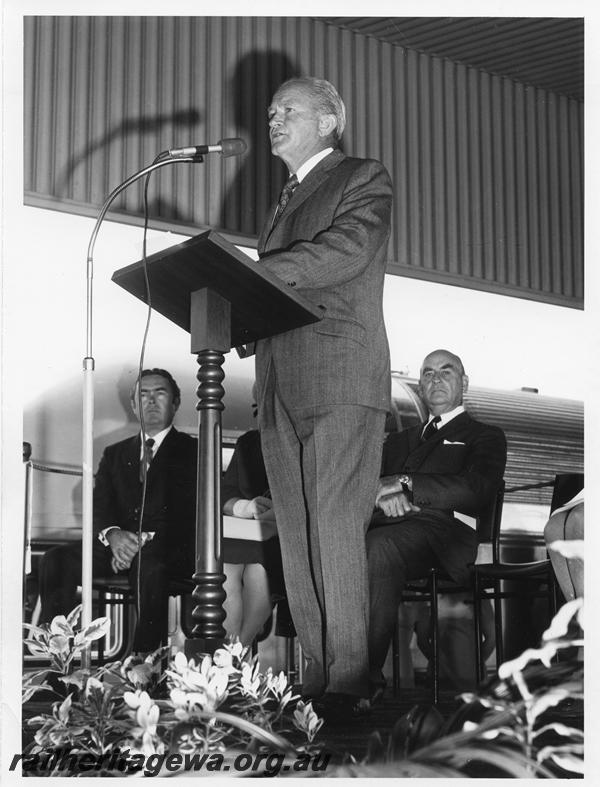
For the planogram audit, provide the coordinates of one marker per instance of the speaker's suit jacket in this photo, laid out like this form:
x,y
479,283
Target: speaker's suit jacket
x,y
330,244
459,469
323,390
169,508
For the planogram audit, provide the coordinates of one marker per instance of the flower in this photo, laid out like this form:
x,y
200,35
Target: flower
x,y
147,714
204,686
231,652
250,682
306,720
113,705
93,684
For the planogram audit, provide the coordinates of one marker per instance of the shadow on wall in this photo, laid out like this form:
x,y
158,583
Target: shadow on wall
x,y
260,177
140,129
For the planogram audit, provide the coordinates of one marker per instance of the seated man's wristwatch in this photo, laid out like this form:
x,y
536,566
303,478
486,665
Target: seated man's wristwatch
x,y
406,482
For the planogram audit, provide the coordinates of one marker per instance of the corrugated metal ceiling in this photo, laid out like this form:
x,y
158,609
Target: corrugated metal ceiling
x,y
545,52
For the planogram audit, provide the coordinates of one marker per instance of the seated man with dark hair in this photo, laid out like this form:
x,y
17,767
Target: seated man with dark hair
x,y
431,473
163,543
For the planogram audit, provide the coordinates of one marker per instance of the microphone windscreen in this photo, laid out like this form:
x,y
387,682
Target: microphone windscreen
x,y
232,147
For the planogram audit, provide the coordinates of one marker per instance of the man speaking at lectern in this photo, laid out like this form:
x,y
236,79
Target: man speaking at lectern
x,y
324,388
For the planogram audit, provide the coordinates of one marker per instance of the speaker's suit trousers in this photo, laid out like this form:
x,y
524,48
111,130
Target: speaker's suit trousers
x,y
323,464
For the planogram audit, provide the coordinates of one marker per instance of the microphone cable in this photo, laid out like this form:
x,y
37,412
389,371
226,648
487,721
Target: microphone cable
x,y
143,463
161,156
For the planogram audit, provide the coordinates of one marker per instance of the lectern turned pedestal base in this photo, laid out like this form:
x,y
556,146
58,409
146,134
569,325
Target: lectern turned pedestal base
x,y
224,299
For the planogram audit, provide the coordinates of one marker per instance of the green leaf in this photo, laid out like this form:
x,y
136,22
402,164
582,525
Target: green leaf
x,y
375,748
271,738
78,678
561,755
58,644
59,625
64,709
548,699
73,616
560,729
36,649
37,631
511,762
97,629
30,691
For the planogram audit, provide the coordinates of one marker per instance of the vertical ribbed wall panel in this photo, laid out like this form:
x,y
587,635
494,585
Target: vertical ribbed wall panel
x,y
488,173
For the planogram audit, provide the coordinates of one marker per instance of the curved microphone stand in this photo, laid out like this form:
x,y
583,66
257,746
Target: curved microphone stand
x,y
88,404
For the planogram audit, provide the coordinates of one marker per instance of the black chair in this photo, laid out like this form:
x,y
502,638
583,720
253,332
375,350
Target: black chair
x,y
115,592
438,582
534,579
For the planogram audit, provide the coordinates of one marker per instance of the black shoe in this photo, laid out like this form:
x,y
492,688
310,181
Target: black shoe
x,y
377,693
377,689
336,708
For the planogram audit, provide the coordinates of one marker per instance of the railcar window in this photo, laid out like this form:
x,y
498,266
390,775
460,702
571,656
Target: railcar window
x,y
408,408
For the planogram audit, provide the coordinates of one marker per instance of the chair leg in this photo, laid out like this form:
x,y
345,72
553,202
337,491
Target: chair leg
x,y
434,638
498,625
477,592
396,661
290,660
102,613
552,593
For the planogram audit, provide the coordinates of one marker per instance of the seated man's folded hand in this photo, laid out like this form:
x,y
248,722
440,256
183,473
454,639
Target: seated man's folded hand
x,y
388,485
268,515
117,564
252,509
124,546
396,504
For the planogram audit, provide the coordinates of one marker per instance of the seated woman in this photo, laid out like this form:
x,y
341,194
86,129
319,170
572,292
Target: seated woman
x,y
253,568
566,524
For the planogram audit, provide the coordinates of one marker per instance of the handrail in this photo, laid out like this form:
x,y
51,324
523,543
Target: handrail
x,y
525,487
29,466
61,469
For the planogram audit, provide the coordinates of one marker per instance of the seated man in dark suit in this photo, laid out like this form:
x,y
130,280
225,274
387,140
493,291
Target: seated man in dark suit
x,y
163,543
430,473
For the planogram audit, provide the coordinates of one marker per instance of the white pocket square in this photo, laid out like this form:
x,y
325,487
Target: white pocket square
x,y
451,442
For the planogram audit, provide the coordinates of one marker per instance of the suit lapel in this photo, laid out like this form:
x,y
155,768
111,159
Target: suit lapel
x,y
318,174
309,184
421,451
131,460
414,438
453,426
164,451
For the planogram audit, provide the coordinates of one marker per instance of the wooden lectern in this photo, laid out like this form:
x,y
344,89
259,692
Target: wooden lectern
x,y
224,299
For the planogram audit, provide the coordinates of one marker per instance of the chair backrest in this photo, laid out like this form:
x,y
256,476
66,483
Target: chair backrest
x,y
566,486
489,521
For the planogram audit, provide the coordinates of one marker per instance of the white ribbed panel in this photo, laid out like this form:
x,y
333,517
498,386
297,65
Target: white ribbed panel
x,y
488,173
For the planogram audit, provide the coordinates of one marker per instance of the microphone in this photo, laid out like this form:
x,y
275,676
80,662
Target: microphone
x,y
226,147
